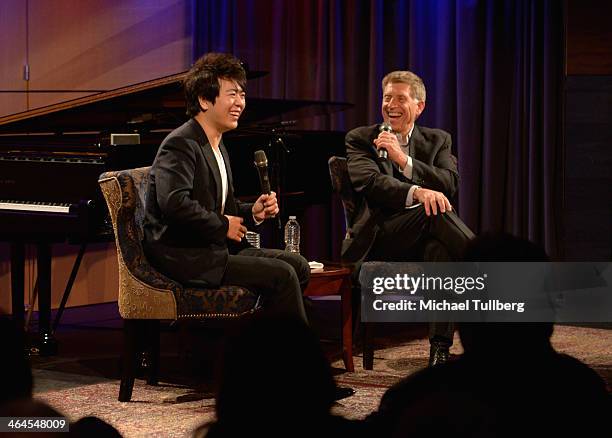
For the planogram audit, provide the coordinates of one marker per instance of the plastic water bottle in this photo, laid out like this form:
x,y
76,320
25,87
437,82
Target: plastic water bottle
x,y
292,235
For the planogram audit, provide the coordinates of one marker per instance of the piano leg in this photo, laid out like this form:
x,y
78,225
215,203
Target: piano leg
x,y
47,343
17,273
73,274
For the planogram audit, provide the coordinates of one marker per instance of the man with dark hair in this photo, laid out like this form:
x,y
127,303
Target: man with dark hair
x,y
405,213
194,227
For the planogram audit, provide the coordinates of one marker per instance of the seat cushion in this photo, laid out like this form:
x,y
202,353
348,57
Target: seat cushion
x,y
224,302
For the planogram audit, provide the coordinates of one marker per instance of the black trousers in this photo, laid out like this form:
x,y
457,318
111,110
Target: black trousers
x,y
279,276
412,235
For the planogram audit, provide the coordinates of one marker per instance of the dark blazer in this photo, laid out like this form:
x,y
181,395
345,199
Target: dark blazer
x,y
184,230
382,189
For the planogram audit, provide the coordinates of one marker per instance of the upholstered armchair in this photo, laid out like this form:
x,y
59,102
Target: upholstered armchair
x,y
145,295
341,184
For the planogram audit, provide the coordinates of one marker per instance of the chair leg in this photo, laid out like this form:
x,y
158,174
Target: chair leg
x,y
356,311
185,348
368,349
366,329
131,329
152,337
347,326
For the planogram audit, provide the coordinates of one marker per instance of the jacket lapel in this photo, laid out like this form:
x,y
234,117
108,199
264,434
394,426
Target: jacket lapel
x,y
416,142
227,166
209,155
386,166
230,185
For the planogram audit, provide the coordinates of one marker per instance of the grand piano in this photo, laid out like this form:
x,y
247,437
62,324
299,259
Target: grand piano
x,y
51,157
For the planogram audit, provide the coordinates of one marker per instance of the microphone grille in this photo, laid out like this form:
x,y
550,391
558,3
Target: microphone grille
x,y
385,127
260,158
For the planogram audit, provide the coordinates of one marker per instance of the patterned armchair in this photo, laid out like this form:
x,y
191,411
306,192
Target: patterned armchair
x,y
147,296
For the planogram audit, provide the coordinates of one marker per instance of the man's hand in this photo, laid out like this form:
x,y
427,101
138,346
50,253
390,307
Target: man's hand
x,y
388,141
431,200
235,231
265,207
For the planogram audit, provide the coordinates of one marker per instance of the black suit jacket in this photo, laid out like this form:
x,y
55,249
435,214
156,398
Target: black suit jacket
x,y
383,189
184,230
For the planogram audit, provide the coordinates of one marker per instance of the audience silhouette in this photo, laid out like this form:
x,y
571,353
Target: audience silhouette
x,y
510,381
275,381
15,363
16,392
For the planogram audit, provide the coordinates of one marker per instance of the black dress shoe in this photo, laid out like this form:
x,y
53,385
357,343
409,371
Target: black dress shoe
x,y
343,392
438,354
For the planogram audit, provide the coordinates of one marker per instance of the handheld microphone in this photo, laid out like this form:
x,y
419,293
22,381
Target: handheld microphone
x,y
261,163
384,127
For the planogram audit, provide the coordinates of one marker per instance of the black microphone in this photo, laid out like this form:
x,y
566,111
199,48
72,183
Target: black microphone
x,y
384,127
261,163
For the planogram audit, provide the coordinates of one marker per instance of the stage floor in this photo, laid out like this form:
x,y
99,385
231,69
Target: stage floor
x,y
83,379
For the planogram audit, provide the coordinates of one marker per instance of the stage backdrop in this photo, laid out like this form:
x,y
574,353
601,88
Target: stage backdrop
x,y
493,71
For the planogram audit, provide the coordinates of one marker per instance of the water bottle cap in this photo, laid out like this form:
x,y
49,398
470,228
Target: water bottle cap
x,y
291,217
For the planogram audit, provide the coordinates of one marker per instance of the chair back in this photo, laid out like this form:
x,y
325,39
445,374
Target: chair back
x,y
341,183
124,191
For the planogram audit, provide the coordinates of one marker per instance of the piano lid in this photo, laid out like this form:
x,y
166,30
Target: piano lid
x,y
155,104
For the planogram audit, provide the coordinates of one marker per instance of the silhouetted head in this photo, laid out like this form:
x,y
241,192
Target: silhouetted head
x,y
274,374
93,427
31,408
487,337
15,364
503,247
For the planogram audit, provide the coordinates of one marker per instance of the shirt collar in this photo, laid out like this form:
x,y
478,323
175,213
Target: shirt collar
x,y
401,139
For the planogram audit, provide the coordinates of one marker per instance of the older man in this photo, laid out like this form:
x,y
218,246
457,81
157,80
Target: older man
x,y
405,175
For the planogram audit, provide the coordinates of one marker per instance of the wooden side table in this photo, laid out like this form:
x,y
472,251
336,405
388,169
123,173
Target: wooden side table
x,y
336,280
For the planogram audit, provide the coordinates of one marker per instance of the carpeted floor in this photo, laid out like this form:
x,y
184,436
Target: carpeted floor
x,y
171,410
81,385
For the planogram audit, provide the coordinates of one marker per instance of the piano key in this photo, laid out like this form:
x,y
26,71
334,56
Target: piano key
x,y
35,206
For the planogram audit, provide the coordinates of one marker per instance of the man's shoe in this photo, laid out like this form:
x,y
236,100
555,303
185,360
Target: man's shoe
x,y
438,354
343,392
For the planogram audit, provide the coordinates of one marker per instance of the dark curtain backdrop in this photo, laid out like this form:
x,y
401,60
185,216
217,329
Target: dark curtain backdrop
x,y
493,72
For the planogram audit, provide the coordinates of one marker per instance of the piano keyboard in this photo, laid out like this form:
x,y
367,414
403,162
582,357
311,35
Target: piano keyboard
x,y
43,207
